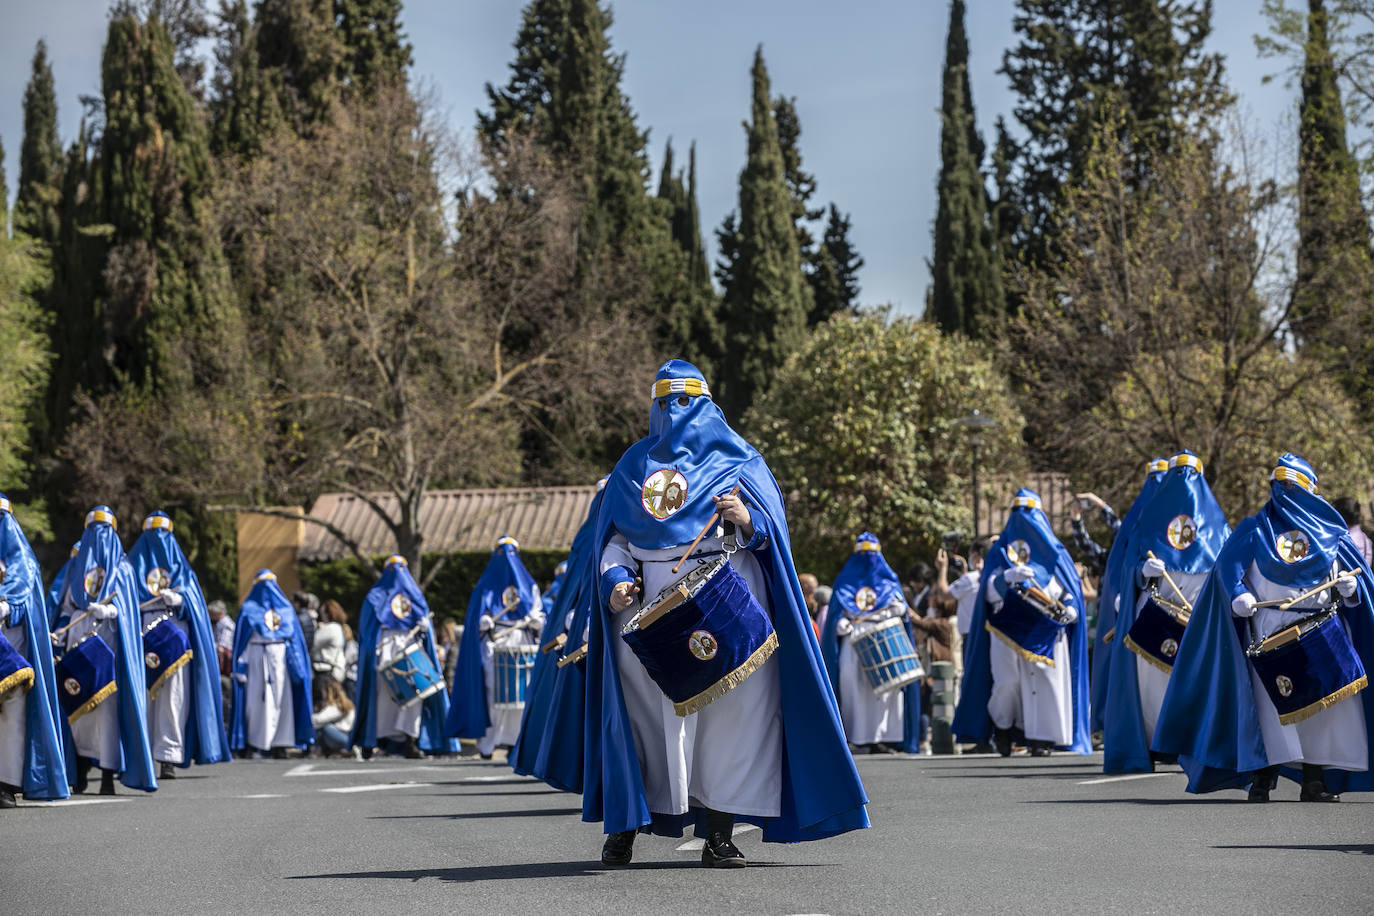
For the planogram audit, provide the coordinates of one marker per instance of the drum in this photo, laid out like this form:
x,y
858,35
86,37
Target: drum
x,y
166,650
86,676
1028,625
16,674
513,667
702,637
411,677
1157,631
886,655
1308,667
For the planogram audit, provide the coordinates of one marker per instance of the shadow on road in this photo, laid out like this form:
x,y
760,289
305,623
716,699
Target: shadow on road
x,y
457,816
471,874
481,794
1183,800
1360,848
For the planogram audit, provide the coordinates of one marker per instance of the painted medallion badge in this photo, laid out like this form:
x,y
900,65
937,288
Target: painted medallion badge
x,y
400,606
1018,552
1182,531
157,579
95,577
865,599
664,492
702,645
1293,546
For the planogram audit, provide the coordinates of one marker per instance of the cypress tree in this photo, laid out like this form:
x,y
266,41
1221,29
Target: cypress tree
x,y
801,183
765,307
301,50
40,155
246,107
966,277
834,276
374,48
692,328
4,196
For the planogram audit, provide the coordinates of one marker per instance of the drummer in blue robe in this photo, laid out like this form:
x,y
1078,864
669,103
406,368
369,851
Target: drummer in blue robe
x,y
866,596
1169,554
185,703
1264,681
721,708
400,693
505,617
272,690
1107,599
1026,673
99,663
31,758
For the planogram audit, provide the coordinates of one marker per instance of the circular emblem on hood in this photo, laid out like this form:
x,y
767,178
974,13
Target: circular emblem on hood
x,y
95,577
72,686
1182,531
702,645
1018,552
865,599
400,606
510,597
1169,647
1285,686
664,493
151,659
157,579
1293,546
272,619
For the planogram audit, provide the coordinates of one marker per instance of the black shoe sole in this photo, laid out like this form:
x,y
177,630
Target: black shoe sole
x,y
711,861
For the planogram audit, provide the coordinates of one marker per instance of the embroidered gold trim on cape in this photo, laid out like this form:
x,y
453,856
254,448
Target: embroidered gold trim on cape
x,y
1326,702
1016,647
1146,656
101,695
723,686
19,680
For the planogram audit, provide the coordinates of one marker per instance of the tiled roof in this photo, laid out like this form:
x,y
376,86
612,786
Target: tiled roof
x,y
540,518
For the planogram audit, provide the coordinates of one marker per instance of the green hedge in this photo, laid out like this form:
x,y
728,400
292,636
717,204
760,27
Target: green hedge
x,y
347,582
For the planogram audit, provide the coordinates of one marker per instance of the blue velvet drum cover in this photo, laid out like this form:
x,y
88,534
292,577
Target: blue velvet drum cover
x,y
15,671
166,650
1023,625
1309,672
886,655
411,677
512,667
85,676
706,646
1157,632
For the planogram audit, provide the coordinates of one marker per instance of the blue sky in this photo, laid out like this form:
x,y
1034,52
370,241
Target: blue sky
x,y
866,76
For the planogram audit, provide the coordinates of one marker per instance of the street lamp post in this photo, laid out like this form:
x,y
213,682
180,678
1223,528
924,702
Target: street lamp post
x,y
976,423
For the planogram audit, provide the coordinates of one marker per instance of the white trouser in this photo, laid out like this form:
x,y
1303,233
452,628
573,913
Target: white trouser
x,y
13,718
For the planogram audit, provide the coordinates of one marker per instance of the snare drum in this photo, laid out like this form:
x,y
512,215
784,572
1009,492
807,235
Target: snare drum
x,y
1308,667
166,650
886,655
86,676
702,637
1158,631
16,674
1027,625
410,677
513,666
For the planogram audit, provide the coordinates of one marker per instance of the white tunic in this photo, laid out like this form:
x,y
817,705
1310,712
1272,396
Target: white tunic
x,y
1152,681
269,713
96,734
1334,737
1033,695
393,721
13,716
167,713
505,722
868,718
727,756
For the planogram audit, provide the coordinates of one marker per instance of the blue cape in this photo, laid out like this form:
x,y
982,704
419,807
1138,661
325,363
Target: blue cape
x,y
468,715
157,549
659,495
1048,558
266,595
376,615
560,574
45,771
1209,717
1106,600
1183,492
538,752
101,571
866,567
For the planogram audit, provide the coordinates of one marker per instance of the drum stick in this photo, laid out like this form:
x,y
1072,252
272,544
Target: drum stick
x,y
84,614
1284,604
709,525
1172,584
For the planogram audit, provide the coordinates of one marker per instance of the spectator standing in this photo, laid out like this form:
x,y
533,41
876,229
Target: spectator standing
x,y
1349,510
964,591
1094,554
307,607
223,626
918,590
823,593
327,651
448,649
938,639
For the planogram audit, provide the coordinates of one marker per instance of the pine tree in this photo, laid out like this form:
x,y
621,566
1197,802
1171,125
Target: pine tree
x,y
966,276
765,307
40,156
374,47
834,276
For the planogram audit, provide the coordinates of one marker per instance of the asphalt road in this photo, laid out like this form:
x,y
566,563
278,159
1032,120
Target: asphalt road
x,y
950,835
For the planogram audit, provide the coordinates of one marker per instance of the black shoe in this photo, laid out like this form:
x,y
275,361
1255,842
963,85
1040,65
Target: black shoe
x,y
166,771
278,753
1316,791
719,852
7,793
413,751
619,848
83,781
1001,739
107,782
1041,749
1168,759
982,749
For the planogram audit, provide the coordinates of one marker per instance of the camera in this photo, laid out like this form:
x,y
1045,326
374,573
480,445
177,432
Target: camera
x,y
951,539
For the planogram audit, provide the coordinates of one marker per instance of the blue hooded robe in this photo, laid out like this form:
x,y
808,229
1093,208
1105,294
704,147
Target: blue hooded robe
x,y
45,771
100,572
469,713
1048,558
1106,601
866,567
157,549
1209,717
267,596
1182,492
821,792
379,613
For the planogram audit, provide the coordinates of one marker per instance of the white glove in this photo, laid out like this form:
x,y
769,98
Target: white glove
x,y
104,611
240,677
1152,568
425,623
1243,605
486,624
1017,574
1346,586
171,599
843,627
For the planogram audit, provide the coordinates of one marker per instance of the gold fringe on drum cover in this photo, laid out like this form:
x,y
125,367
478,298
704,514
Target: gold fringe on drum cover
x,y
1307,712
723,686
172,669
1146,656
1017,647
101,695
19,680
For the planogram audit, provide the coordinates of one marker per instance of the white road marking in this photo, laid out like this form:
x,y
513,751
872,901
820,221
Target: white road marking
x,y
262,796
1098,782
695,845
380,787
68,802
310,769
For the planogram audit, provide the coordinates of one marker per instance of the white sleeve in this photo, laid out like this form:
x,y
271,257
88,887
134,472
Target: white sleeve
x,y
963,586
617,553
991,593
